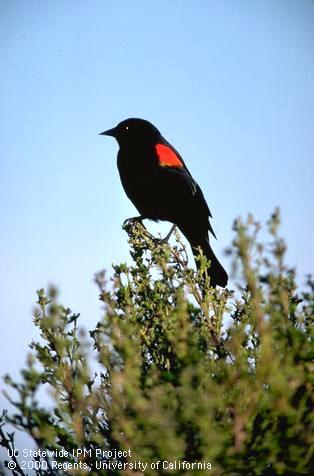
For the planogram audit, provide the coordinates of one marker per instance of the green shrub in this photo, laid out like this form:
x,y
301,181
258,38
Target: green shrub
x,y
210,381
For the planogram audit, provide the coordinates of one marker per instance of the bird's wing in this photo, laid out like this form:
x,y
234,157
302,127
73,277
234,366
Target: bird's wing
x,y
170,158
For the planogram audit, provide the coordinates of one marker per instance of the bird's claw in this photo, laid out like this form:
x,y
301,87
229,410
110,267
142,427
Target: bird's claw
x,y
139,219
133,220
164,240
160,241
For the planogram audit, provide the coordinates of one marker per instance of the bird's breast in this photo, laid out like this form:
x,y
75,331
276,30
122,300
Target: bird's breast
x,y
139,178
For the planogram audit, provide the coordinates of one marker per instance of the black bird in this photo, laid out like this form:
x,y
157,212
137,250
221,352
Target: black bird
x,y
157,181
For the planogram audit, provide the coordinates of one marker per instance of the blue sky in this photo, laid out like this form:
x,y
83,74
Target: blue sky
x,y
229,83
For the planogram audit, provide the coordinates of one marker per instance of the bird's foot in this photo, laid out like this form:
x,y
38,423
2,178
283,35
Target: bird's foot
x,y
139,219
161,241
133,220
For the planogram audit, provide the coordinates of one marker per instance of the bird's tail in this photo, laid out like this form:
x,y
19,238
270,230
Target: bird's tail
x,y
217,273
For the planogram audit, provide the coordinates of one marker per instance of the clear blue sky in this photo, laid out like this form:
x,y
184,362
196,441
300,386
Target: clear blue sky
x,y
229,83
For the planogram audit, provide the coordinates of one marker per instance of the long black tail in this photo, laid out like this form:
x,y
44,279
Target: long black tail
x,y
217,273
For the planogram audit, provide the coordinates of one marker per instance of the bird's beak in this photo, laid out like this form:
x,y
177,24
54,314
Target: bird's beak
x,y
109,132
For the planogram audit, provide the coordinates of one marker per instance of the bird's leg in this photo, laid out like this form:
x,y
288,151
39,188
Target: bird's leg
x,y
166,238
138,219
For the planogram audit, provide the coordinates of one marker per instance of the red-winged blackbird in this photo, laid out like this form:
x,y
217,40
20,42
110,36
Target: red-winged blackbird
x,y
157,181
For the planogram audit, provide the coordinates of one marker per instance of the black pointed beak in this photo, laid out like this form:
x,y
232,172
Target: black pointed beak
x,y
109,132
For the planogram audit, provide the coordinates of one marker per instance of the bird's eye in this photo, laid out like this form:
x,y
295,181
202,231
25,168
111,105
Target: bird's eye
x,y
126,128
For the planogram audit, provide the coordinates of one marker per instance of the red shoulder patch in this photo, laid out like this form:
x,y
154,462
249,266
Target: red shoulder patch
x,y
166,156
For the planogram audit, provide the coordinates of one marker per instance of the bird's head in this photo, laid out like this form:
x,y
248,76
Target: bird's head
x,y
134,132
